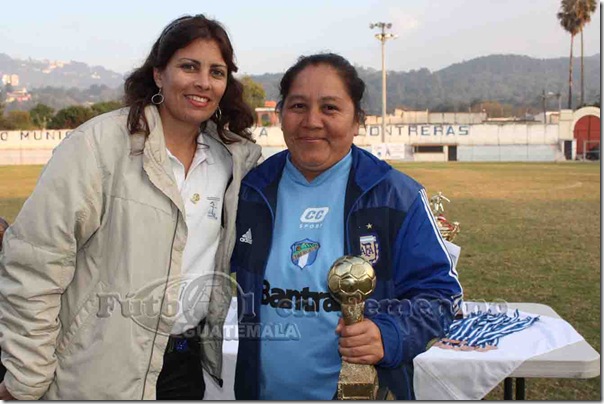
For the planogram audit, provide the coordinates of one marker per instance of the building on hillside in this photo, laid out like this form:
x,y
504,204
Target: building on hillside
x,y
12,79
20,95
53,65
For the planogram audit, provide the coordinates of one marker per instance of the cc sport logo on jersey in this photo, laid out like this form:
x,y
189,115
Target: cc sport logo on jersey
x,y
304,252
312,218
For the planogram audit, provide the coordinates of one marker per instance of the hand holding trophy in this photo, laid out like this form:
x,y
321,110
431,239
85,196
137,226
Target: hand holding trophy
x,y
351,280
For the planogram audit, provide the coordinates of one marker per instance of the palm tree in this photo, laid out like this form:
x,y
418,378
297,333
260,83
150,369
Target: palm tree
x,y
570,22
585,8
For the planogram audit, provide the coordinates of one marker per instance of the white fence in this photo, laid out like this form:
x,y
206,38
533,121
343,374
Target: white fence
x,y
483,142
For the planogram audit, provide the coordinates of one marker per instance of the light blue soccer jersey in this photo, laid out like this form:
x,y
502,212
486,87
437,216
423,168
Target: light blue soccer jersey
x,y
299,347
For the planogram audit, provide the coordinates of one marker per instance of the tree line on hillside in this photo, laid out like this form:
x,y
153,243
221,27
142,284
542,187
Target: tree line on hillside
x,y
501,85
61,97
38,73
43,116
512,80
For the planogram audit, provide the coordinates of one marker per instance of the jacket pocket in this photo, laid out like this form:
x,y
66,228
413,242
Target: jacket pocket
x,y
85,315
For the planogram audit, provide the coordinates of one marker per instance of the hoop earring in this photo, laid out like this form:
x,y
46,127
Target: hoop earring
x,y
218,114
157,98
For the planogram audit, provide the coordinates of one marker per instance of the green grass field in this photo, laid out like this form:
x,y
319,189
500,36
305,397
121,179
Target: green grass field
x,y
529,233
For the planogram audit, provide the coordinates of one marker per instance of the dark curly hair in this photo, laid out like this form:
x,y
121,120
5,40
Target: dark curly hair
x,y
140,85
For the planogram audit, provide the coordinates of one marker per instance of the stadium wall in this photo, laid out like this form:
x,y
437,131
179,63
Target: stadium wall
x,y
487,141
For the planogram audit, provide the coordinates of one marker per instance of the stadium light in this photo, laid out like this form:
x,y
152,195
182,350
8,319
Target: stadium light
x,y
383,37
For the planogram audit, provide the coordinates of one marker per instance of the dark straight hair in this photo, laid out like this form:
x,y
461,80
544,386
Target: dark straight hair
x,y
355,86
140,85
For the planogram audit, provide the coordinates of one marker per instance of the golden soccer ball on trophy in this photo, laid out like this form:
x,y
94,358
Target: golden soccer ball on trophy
x,y
351,279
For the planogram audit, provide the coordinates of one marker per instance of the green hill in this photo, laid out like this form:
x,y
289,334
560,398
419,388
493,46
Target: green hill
x,y
510,79
514,80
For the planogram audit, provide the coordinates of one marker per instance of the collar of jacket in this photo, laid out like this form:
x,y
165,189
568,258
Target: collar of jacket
x,y
156,143
245,153
155,158
366,171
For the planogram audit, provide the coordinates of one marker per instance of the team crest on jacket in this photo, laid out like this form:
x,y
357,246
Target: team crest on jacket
x,y
304,252
370,248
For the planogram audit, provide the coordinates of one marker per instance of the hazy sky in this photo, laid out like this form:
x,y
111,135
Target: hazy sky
x,y
269,35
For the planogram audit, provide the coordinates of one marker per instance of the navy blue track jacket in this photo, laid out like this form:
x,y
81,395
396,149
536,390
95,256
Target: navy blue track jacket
x,y
417,290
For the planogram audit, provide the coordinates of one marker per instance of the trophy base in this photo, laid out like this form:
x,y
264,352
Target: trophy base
x,y
357,382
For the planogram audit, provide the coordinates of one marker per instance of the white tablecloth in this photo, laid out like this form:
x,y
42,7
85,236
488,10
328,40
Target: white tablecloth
x,y
443,374
440,374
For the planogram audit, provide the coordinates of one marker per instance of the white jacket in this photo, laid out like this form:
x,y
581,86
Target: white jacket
x,y
94,253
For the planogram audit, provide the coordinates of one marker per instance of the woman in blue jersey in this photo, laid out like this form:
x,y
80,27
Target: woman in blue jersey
x,y
301,210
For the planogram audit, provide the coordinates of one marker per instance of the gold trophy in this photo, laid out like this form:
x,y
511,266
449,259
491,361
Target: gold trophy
x,y
351,280
447,229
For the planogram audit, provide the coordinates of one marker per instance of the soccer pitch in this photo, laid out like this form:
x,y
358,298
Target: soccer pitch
x,y
530,232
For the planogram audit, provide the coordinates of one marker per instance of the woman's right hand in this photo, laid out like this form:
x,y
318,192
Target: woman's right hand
x,y
4,394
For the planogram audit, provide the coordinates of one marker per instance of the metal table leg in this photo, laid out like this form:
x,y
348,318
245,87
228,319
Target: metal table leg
x,y
508,388
520,388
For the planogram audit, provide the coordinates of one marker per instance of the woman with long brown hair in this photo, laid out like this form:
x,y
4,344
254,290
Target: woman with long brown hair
x,y
114,282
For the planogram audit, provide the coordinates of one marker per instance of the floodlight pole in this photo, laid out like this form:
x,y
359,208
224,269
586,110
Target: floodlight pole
x,y
383,37
557,95
550,94
544,98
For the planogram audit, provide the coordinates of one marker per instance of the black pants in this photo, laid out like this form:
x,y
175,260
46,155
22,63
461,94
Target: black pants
x,y
181,377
